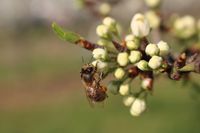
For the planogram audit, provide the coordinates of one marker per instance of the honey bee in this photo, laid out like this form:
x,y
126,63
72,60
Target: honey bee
x,y
91,78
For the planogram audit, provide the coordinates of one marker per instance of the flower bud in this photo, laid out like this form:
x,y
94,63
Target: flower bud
x,y
184,27
124,89
128,101
108,21
140,26
100,65
152,49
143,65
163,47
99,53
122,59
152,3
119,73
102,31
147,83
129,37
153,19
135,56
138,107
132,44
155,62
105,8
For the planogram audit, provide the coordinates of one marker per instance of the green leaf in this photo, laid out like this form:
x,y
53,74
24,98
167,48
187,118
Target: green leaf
x,y
66,35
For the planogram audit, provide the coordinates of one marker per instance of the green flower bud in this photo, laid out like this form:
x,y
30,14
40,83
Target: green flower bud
x,y
135,56
143,65
119,73
155,62
122,59
124,89
152,49
163,47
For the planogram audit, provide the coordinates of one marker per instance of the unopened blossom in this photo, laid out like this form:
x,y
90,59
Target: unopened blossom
x,y
122,59
128,101
100,53
102,31
135,56
163,47
100,65
155,62
152,49
184,27
143,65
108,21
147,83
140,26
119,73
153,19
124,89
138,107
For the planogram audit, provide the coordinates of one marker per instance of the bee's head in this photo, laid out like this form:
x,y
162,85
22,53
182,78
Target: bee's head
x,y
88,69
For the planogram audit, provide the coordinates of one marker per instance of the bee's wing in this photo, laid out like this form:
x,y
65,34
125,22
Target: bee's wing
x,y
88,99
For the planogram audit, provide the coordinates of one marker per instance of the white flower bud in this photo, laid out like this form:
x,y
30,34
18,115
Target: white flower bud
x,y
102,31
128,101
153,19
143,65
132,45
135,56
140,26
124,89
138,107
163,47
155,62
184,27
105,8
147,83
99,53
108,21
100,64
129,37
122,59
152,3
152,49
119,73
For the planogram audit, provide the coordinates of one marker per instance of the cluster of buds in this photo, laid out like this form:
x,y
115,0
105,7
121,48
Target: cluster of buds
x,y
135,55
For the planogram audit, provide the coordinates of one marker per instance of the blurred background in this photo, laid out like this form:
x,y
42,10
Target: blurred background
x,y
40,88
